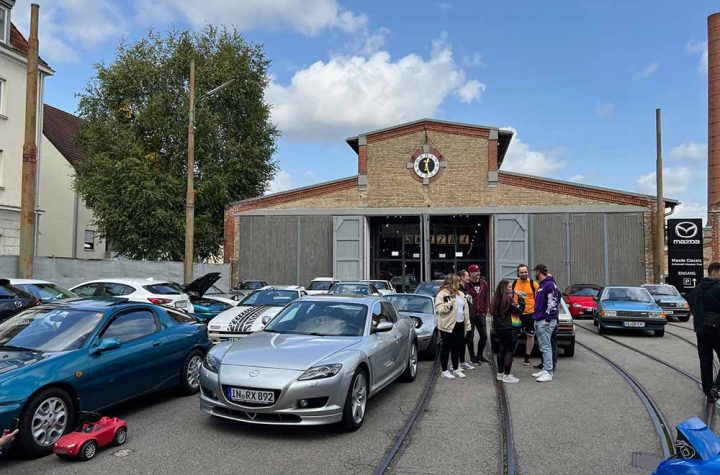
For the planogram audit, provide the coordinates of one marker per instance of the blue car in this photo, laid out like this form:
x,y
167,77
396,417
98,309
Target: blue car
x,y
206,305
628,308
87,354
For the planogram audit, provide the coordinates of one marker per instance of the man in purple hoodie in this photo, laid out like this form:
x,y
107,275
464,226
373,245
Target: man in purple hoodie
x,y
547,308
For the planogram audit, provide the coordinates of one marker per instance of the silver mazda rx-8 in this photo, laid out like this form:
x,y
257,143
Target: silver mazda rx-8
x,y
317,362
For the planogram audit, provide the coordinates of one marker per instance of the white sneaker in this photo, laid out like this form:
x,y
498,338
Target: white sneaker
x,y
545,378
509,378
447,374
459,373
466,366
499,376
539,373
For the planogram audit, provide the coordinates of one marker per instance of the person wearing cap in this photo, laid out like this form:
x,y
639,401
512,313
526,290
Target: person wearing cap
x,y
479,292
547,308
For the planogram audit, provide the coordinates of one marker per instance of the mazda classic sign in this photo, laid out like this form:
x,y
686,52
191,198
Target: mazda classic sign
x,y
685,253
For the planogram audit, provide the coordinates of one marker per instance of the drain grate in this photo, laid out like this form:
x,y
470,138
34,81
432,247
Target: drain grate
x,y
645,460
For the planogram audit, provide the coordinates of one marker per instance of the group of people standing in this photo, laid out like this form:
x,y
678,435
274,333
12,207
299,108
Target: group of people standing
x,y
463,302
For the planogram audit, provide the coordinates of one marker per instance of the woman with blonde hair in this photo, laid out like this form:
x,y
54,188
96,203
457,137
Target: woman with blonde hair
x,y
453,322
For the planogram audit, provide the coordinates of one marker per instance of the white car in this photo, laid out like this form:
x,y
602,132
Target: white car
x,y
253,313
383,286
321,285
42,290
159,292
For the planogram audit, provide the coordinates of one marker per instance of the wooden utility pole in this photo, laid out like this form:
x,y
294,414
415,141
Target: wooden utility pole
x,y
29,163
190,196
660,201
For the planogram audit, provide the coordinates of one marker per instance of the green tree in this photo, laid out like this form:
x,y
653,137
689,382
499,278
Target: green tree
x,y
134,140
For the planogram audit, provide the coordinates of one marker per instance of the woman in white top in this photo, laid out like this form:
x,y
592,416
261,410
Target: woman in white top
x,y
453,322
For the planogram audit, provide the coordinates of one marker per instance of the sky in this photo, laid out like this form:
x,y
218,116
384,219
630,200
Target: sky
x,y
578,81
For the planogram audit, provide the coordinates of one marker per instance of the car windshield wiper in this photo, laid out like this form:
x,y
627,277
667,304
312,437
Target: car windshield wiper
x,y
18,348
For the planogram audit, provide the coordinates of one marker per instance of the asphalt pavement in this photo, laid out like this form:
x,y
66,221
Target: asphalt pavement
x,y
586,421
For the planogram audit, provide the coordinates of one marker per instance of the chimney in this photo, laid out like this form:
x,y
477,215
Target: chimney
x,y
714,133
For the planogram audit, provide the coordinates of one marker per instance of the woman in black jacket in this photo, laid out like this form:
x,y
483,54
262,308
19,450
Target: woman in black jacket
x,y
506,322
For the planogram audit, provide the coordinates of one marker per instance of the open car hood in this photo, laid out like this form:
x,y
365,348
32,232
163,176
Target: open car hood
x,y
199,286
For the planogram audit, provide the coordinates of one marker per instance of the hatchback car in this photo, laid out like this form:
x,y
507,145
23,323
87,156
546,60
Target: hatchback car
x,y
14,300
421,310
159,292
253,313
43,290
580,299
670,300
87,354
317,362
321,285
628,308
246,287
354,288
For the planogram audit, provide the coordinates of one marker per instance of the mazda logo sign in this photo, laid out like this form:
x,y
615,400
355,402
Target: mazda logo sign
x,y
18,303
686,230
253,373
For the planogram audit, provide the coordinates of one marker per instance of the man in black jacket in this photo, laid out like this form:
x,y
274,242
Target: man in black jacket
x,y
705,306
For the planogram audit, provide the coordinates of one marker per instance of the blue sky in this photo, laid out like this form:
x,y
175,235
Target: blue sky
x,y
579,81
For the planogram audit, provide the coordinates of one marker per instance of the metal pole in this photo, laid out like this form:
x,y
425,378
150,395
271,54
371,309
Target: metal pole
x,y
190,197
660,201
29,164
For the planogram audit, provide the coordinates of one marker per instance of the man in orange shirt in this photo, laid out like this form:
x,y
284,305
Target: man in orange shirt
x,y
528,287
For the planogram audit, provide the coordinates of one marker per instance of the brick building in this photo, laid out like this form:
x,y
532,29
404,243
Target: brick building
x,y
431,197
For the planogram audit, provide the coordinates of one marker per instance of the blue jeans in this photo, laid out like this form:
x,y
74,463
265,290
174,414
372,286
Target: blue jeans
x,y
543,333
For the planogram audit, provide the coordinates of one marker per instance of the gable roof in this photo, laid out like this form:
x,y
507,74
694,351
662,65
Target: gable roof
x,y
20,45
61,129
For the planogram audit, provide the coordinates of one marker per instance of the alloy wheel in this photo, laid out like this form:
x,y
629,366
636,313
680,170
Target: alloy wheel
x,y
359,398
49,421
413,361
193,372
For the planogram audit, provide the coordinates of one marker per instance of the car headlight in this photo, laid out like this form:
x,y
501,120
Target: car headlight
x,y
684,305
608,313
577,305
320,372
211,363
71,446
657,314
417,322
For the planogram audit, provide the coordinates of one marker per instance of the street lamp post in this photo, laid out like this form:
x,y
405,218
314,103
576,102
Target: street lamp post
x,y
190,194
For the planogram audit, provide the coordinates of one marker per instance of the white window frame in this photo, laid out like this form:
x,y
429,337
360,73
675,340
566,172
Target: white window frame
x,y
86,242
3,86
5,33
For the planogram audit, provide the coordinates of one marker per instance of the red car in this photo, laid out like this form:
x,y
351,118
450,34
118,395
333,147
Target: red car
x,y
84,442
579,299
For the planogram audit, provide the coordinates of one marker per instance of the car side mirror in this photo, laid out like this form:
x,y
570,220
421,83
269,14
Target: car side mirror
x,y
107,344
383,327
596,299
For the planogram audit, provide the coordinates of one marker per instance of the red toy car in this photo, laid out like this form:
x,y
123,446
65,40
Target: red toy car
x,y
86,439
580,299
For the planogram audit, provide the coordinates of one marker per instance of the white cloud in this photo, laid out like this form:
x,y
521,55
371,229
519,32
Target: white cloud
x,y
283,181
367,44
350,93
521,158
306,16
676,180
473,61
648,71
605,110
66,26
691,209
689,151
578,178
701,47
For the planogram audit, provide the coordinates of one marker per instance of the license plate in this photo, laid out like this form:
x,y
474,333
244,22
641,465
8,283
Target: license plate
x,y
231,339
251,395
668,312
181,304
634,324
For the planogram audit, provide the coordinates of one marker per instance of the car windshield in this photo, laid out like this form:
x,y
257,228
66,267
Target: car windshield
x,y
250,285
380,285
428,288
47,292
665,290
321,318
165,288
411,303
584,291
11,292
359,289
320,285
627,294
274,298
49,329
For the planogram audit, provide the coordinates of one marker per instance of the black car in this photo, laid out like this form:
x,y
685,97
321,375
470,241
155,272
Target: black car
x,y
13,300
670,300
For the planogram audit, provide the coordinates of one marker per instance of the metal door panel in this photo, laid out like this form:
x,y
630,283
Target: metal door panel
x,y
510,244
348,247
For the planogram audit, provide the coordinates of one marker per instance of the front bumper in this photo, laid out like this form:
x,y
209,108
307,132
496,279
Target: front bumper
x,y
683,313
620,323
584,312
285,410
220,336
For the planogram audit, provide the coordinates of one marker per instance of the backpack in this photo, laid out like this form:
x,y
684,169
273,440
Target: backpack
x,y
533,286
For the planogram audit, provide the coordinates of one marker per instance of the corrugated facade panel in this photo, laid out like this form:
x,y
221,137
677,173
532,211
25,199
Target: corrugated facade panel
x,y
587,249
316,247
268,248
626,250
550,245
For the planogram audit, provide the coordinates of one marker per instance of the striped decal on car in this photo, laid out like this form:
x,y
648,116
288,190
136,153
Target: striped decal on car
x,y
244,321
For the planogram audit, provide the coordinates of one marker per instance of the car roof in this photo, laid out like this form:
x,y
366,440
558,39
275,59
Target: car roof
x,y
28,281
425,296
596,286
129,281
98,304
345,298
323,279
355,282
282,287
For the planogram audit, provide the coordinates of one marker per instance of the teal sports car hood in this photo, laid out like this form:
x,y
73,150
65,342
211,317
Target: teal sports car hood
x,y
630,306
11,360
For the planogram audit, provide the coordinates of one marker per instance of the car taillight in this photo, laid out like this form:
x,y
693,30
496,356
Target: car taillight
x,y
159,301
38,302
